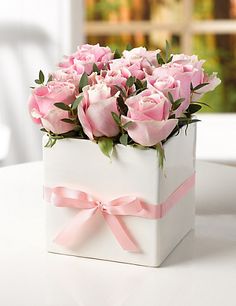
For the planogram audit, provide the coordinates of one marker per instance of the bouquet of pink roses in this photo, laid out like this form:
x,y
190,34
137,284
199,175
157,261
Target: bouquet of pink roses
x,y
136,97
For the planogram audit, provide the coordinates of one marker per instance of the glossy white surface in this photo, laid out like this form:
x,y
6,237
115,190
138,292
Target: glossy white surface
x,y
132,172
200,271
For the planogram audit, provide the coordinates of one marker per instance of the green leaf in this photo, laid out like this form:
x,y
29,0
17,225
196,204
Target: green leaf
x,y
78,128
193,108
171,98
32,87
138,84
37,82
130,81
124,139
145,84
167,50
96,69
68,120
202,103
51,142
126,125
177,103
191,86
83,81
106,146
76,103
160,59
43,130
117,54
121,90
63,106
170,59
160,154
200,86
116,118
41,77
129,47
49,78
122,107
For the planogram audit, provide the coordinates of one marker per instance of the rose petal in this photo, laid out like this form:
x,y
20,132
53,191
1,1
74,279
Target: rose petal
x,y
149,133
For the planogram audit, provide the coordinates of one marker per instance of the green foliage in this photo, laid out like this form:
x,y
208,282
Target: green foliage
x,y
68,120
176,103
76,103
122,107
160,154
106,146
124,139
83,82
52,138
116,118
41,78
129,47
130,81
63,106
117,54
193,108
96,69
160,59
49,78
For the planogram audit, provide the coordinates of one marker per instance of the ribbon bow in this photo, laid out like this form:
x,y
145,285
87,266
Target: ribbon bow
x,y
111,211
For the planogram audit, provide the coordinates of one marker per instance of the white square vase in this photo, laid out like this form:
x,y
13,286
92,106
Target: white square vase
x,y
79,164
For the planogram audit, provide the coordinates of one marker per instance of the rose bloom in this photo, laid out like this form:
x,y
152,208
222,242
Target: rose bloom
x,y
135,69
148,114
113,78
166,84
95,111
67,75
42,109
186,72
141,55
87,55
213,81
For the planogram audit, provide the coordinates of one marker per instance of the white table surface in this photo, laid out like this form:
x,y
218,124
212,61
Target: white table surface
x,y
201,271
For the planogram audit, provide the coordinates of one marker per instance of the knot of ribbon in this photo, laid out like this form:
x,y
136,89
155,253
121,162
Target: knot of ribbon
x,y
112,211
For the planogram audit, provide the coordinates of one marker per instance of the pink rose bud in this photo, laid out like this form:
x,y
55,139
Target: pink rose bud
x,y
42,109
95,111
86,56
148,113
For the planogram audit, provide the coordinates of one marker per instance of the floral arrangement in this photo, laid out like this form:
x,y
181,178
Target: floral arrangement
x,y
136,97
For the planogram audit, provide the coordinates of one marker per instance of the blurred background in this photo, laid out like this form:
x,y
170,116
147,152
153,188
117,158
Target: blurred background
x,y
35,35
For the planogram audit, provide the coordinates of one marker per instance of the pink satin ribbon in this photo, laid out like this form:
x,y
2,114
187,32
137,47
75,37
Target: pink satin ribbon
x,y
111,211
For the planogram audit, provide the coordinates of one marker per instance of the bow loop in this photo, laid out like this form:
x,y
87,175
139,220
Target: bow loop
x,y
111,211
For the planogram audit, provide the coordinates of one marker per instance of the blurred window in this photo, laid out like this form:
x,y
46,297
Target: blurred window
x,y
204,27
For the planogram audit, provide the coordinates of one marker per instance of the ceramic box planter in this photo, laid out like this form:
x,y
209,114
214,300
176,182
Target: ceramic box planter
x,y
80,165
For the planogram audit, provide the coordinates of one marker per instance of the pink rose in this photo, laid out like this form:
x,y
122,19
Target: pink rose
x,y
213,81
42,109
67,75
191,64
135,69
141,55
116,77
86,56
95,110
148,113
52,121
166,84
186,71
113,78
